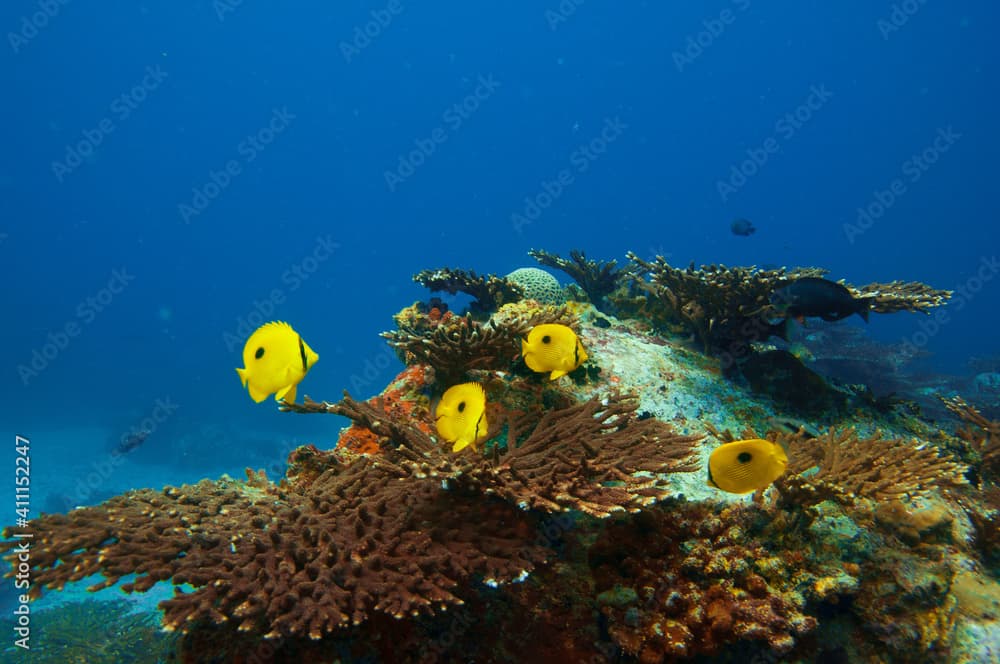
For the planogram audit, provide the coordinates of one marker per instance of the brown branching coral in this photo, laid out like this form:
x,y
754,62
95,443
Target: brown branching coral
x,y
584,457
849,467
398,533
727,307
981,434
292,561
730,307
461,344
489,291
842,466
897,296
596,278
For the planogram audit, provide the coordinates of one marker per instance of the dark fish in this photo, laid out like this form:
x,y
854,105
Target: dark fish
x,y
130,441
742,227
812,296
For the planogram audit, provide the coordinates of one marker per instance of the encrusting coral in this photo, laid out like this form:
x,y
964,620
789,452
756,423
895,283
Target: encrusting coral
x,y
395,533
701,581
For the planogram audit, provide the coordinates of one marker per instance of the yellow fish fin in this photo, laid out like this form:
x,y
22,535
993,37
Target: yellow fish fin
x,y
243,375
286,393
459,445
255,394
558,373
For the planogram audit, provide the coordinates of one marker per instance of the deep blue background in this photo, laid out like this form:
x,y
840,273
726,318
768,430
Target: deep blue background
x,y
653,191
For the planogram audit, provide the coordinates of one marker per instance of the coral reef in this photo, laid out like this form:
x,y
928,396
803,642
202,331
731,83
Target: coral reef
x,y
982,435
598,279
459,345
291,561
583,457
729,308
696,582
488,291
537,285
842,466
849,467
577,531
394,533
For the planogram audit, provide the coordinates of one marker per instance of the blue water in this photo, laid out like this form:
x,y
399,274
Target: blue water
x,y
193,155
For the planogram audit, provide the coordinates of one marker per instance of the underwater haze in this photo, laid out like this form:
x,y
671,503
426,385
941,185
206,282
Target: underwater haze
x,y
174,174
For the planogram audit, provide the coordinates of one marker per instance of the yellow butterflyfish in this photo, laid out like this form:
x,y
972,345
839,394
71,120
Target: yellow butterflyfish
x,y
275,360
553,348
743,466
461,415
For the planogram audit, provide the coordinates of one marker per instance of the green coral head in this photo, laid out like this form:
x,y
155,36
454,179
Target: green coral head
x,y
538,285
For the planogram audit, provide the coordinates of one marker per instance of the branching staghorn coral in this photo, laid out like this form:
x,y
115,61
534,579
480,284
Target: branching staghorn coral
x,y
489,291
460,345
597,278
850,467
841,466
583,457
398,533
897,296
295,561
729,307
982,435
